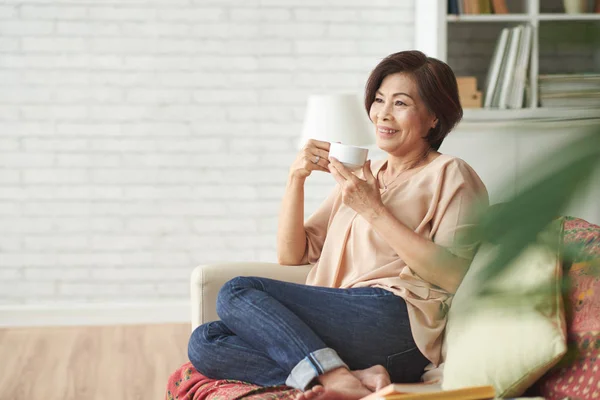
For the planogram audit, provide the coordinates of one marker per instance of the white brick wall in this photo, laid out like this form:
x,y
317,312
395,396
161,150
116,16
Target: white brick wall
x,y
139,138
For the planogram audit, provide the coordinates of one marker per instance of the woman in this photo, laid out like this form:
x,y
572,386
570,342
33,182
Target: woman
x,y
386,261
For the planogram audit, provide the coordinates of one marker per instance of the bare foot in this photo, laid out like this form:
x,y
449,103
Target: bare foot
x,y
374,378
311,394
339,384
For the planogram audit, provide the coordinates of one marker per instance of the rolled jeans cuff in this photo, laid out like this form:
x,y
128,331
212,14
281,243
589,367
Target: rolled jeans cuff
x,y
315,364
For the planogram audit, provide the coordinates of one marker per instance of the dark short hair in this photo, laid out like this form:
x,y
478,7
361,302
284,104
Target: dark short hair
x,y
436,84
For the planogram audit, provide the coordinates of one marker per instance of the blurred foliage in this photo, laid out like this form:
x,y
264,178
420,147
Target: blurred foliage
x,y
527,217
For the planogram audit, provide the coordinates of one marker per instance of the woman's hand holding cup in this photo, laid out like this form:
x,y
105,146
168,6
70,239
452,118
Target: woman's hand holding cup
x,y
314,156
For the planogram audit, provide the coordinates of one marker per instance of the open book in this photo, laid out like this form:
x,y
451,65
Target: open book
x,y
430,391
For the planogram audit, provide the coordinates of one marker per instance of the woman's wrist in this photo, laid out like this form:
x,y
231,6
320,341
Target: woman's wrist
x,y
376,213
294,178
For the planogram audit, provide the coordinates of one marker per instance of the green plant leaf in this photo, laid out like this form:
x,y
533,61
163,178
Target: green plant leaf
x,y
515,224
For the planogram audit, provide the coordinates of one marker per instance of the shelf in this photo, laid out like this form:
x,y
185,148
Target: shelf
x,y
569,17
521,17
489,18
488,115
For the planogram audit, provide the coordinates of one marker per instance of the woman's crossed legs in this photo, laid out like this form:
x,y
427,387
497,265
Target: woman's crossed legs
x,y
274,333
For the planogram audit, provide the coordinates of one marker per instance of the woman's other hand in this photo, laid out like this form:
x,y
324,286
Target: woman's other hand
x,y
361,195
314,156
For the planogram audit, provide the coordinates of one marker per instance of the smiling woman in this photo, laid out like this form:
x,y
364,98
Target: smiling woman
x,y
413,101
385,259
424,84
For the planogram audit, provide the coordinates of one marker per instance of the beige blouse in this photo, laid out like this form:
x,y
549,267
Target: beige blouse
x,y
348,253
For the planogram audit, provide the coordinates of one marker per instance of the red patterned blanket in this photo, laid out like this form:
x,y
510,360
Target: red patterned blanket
x,y
188,384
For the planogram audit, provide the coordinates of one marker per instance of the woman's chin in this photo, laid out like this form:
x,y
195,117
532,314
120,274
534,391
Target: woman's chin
x,y
385,144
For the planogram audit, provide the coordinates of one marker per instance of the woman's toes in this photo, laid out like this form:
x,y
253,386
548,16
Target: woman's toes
x,y
311,394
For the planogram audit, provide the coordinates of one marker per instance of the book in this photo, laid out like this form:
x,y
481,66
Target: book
x,y
571,99
569,83
466,6
494,69
474,7
430,391
499,6
520,76
509,67
453,6
485,7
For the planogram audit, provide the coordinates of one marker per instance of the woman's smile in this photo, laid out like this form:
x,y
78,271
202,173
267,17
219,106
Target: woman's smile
x,y
385,132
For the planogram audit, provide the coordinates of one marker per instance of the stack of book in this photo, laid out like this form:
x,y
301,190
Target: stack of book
x,y
572,90
470,7
507,75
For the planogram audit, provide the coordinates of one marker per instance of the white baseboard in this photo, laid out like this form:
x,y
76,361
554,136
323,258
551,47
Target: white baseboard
x,y
94,314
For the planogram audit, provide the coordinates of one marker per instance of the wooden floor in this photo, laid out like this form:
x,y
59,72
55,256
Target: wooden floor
x,y
107,362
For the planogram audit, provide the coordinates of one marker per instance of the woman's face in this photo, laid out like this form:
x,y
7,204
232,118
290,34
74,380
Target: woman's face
x,y
400,116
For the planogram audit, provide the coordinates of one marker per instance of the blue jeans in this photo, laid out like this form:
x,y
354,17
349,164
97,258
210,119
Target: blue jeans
x,y
274,333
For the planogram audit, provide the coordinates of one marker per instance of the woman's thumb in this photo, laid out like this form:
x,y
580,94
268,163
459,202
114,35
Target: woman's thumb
x,y
367,171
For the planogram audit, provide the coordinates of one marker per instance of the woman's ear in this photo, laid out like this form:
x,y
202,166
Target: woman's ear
x,y
434,123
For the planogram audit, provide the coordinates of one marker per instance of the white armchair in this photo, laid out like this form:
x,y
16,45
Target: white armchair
x,y
207,280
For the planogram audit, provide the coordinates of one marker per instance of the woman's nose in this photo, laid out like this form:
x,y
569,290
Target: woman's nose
x,y
384,113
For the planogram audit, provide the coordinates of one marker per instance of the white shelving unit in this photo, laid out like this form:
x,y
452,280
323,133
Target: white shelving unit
x,y
431,37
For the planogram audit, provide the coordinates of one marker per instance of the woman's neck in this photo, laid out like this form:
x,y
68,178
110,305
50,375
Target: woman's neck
x,y
399,164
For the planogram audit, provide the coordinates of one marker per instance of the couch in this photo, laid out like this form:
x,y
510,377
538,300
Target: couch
x,y
206,281
583,320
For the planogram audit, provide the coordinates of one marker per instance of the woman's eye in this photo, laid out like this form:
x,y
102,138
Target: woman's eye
x,y
378,100
400,103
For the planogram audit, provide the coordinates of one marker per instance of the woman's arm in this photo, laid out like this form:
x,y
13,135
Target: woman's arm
x,y
433,263
291,235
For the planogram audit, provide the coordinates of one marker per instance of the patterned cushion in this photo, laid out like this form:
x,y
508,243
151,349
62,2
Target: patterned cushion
x,y
578,375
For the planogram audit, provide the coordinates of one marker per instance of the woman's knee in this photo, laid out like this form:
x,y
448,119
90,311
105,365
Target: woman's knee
x,y
232,289
203,346
197,345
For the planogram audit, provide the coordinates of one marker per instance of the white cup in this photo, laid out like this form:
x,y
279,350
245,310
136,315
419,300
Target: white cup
x,y
352,157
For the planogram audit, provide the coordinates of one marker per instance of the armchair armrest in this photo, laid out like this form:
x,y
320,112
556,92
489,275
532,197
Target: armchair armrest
x,y
206,281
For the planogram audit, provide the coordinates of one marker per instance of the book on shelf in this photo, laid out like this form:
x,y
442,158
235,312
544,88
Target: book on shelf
x,y
485,7
495,65
509,69
506,78
519,80
430,391
453,7
499,7
569,82
569,90
570,100
474,7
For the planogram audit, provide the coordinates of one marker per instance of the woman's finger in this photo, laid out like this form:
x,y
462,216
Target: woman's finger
x,y
320,168
315,155
368,174
336,174
319,144
345,172
317,162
